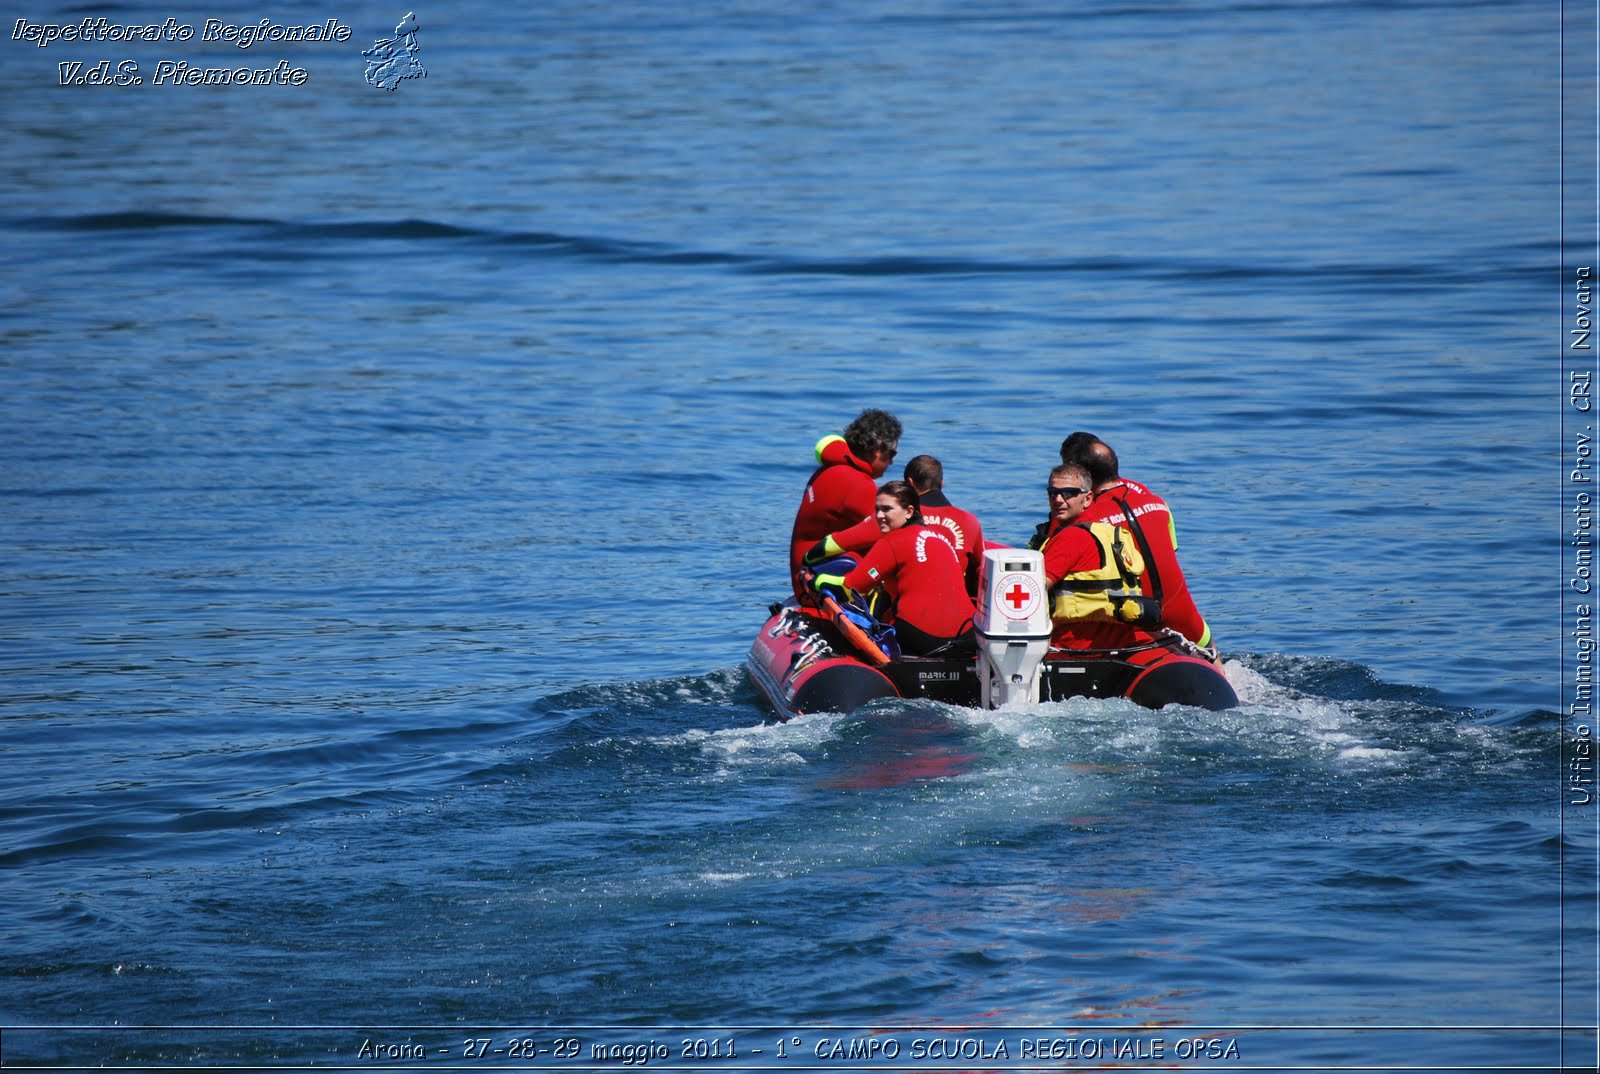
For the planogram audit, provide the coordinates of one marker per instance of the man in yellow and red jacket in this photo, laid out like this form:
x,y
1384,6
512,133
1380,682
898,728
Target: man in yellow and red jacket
x,y
1163,577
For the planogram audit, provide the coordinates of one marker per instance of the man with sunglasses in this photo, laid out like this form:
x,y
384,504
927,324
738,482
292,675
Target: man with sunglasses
x,y
1111,493
844,487
1069,494
1094,571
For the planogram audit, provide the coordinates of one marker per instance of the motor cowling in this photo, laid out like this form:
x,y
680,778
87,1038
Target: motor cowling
x,y
1013,626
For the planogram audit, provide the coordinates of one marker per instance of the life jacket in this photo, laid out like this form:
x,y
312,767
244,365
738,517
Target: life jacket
x,y
1111,591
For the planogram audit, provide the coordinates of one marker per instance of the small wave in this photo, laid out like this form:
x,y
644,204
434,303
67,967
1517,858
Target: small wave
x,y
137,221
1028,20
275,237
1326,677
761,746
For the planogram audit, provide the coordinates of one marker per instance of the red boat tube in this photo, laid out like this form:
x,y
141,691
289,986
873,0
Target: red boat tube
x,y
1155,677
801,664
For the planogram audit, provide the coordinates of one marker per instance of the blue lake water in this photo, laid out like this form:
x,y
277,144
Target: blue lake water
x,y
391,483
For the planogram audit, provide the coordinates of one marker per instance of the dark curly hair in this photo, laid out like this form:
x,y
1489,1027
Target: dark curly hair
x,y
872,431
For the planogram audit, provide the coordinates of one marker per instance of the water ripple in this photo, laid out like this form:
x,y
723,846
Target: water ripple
x,y
277,241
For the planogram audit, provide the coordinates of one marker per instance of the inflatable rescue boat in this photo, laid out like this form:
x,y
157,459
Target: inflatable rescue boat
x,y
820,659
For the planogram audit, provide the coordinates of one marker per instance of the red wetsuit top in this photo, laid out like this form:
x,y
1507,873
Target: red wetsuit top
x,y
964,531
860,538
1071,549
962,527
839,494
921,570
937,510
1178,609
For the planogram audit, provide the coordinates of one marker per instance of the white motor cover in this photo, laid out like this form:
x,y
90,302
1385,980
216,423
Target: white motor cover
x,y
1013,625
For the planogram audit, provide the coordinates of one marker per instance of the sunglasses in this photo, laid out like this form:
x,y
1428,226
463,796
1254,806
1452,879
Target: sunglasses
x,y
1066,493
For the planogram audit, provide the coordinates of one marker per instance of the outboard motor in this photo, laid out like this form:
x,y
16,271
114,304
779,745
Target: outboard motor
x,y
1013,626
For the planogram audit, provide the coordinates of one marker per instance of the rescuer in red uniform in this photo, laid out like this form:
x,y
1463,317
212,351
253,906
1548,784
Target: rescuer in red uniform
x,y
925,474
1164,578
1093,570
841,491
918,567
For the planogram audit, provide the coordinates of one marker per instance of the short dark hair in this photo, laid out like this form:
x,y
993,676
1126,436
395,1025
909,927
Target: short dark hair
x,y
1093,454
926,472
904,493
872,431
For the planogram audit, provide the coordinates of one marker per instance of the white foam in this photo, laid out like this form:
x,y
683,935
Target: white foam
x,y
1371,754
1252,687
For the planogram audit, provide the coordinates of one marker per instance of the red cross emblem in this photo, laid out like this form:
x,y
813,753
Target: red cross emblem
x,y
1019,599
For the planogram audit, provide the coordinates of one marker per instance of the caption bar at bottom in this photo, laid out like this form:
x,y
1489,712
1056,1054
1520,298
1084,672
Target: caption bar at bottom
x,y
840,1048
